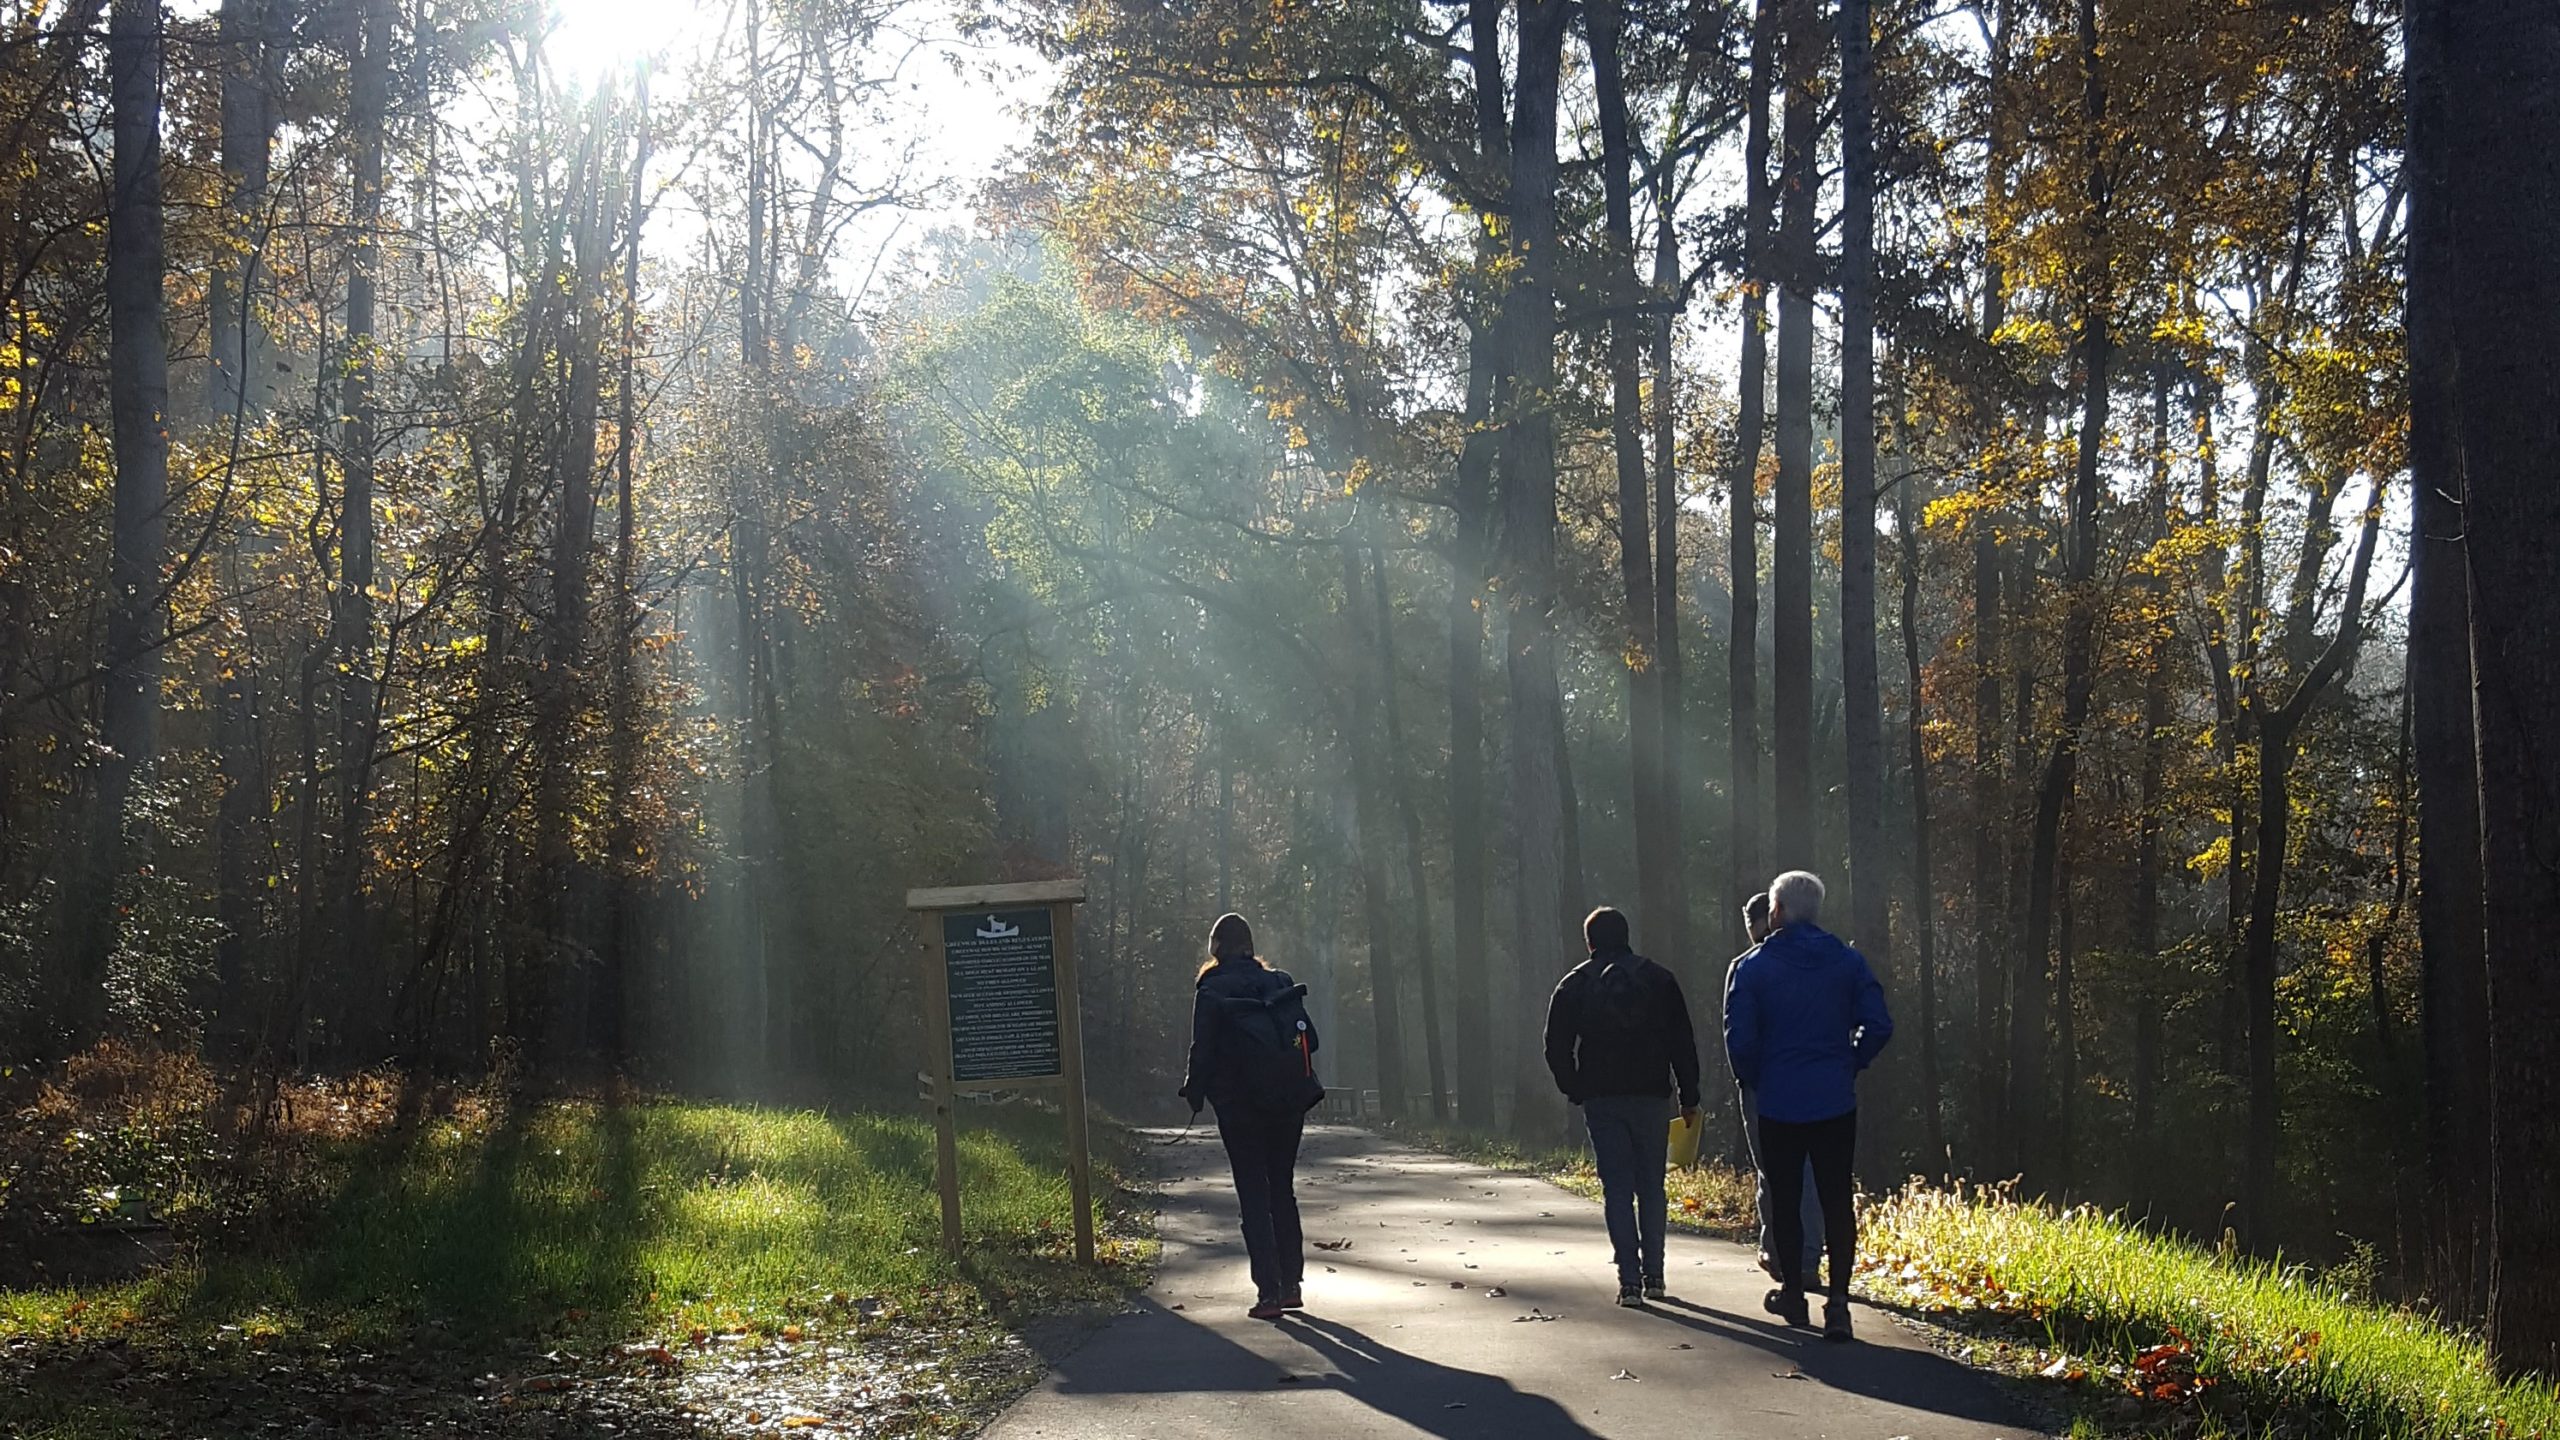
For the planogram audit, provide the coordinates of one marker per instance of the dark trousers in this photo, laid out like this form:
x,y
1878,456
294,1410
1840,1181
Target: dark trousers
x,y
1630,1145
1262,1150
1785,1148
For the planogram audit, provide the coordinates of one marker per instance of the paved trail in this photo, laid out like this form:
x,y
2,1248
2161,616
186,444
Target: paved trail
x,y
1390,1347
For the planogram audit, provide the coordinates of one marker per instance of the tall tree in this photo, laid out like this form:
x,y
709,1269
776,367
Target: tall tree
x,y
1791,545
2492,143
2453,983
237,336
1742,475
138,397
1862,696
1471,527
369,85
2094,284
1529,529
1656,863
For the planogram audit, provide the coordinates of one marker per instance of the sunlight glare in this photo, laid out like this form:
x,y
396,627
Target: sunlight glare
x,y
595,38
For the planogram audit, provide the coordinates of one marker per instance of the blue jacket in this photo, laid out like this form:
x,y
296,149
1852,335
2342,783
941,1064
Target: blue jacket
x,y
1802,1016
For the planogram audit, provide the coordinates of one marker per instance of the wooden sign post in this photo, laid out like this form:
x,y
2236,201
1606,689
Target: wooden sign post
x,y
1000,992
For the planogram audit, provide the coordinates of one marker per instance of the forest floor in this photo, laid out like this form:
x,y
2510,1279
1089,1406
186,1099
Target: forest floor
x,y
386,1264
2122,1333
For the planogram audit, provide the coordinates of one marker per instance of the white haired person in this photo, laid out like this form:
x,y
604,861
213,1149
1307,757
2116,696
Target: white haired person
x,y
1755,923
1803,1017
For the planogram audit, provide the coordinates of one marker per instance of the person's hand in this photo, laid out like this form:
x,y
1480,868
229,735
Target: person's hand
x,y
1195,1105
1688,1114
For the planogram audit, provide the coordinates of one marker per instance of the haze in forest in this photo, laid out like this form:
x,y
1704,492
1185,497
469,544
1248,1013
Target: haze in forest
x,y
529,527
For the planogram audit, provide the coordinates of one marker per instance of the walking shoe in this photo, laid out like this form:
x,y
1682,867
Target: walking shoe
x,y
1835,1320
1787,1305
1265,1310
1631,1298
1292,1299
1654,1289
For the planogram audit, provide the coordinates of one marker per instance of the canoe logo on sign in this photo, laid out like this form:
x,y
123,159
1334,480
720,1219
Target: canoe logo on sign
x,y
996,929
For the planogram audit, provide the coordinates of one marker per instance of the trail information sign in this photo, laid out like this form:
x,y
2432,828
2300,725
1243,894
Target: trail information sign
x,y
1002,971
1001,1015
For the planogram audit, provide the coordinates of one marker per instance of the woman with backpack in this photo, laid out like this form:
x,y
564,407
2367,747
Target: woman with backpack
x,y
1253,1057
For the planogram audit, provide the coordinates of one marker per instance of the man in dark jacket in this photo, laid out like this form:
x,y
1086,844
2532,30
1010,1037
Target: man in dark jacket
x,y
1803,1017
1620,1043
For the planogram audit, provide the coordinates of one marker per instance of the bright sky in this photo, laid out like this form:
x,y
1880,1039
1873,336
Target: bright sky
x,y
965,102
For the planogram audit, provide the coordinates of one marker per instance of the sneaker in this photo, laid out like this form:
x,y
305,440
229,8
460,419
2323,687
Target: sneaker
x,y
1656,1290
1265,1310
1631,1298
1835,1320
1787,1305
1293,1299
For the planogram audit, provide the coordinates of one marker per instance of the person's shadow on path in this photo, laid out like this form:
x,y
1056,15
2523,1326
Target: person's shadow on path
x,y
1441,1400
1893,1374
1436,1399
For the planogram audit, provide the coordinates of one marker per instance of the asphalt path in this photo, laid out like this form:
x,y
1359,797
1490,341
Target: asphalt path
x,y
1463,1302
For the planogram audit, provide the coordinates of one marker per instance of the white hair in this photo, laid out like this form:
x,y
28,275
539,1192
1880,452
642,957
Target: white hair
x,y
1799,893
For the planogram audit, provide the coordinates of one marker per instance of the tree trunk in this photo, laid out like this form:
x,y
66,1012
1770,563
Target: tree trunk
x,y
2499,149
2278,733
1409,814
138,400
1471,525
1529,510
1369,800
369,81
1670,930
1791,556
1990,803
1861,684
2453,976
238,341
2146,862
573,543
1742,480
1655,862
1924,885
2029,1020
623,705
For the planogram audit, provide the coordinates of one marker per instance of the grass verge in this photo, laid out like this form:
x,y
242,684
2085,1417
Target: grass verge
x,y
2145,1335
2128,1333
647,1251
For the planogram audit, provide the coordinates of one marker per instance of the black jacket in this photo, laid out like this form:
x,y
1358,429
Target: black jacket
x,y
1654,1061
1210,1075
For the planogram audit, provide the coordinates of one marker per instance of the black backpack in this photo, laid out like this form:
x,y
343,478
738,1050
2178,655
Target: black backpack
x,y
1617,1002
1271,1046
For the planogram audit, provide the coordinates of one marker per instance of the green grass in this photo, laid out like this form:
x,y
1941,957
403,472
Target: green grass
x,y
615,1217
575,1228
1711,1198
2108,1312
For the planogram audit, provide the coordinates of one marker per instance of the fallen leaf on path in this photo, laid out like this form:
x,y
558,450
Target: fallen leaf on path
x,y
1685,1345
1626,1375
1333,1244
1459,1284
1788,1374
1495,1293
802,1422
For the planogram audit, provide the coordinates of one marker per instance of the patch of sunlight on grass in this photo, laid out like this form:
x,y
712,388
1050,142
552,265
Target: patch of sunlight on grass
x,y
2237,1342
615,1219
